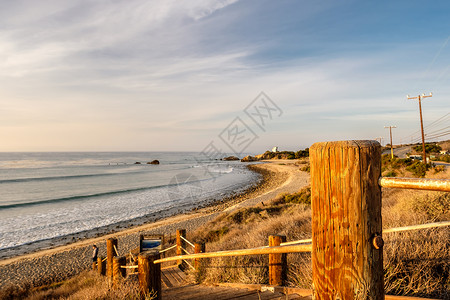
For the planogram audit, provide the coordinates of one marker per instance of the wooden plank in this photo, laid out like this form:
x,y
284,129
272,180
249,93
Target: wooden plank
x,y
346,203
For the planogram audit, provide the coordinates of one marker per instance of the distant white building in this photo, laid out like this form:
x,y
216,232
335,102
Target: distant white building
x,y
444,152
275,149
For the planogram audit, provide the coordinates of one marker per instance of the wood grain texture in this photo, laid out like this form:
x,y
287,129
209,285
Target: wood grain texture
x,y
118,272
149,274
110,253
198,248
346,203
180,244
277,262
101,265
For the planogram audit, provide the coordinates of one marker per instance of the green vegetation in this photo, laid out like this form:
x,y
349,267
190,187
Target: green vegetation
x,y
405,167
444,158
301,197
390,174
418,169
286,154
429,148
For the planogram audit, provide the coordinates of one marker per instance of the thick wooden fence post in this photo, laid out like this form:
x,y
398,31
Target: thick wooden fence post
x,y
149,274
118,272
346,218
181,244
111,244
198,248
277,262
101,265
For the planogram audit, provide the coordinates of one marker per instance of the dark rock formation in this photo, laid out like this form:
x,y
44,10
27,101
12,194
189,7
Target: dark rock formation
x,y
153,162
231,158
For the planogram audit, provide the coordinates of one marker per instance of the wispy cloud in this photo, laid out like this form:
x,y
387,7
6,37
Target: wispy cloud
x,y
169,70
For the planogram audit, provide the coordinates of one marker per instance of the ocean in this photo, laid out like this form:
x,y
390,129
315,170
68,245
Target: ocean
x,y
44,196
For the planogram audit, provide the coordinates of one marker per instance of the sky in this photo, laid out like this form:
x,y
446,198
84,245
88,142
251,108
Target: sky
x,y
230,75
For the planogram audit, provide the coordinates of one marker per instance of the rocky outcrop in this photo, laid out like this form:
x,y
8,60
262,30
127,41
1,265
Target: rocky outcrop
x,y
249,158
231,158
153,162
137,163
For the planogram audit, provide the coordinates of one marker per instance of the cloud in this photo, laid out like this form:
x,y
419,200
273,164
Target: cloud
x,y
171,70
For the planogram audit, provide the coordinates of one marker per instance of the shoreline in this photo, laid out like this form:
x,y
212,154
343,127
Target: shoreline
x,y
114,228
61,262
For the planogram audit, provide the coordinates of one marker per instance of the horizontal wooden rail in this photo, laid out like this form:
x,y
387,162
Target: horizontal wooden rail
x,y
241,252
390,230
442,185
167,249
306,241
416,227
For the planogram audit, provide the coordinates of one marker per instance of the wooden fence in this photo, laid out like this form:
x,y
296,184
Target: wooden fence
x,y
346,245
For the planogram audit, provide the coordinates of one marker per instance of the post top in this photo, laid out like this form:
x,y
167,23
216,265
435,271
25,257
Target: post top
x,y
346,144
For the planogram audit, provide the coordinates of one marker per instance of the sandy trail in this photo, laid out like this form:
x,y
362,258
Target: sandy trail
x,y
62,262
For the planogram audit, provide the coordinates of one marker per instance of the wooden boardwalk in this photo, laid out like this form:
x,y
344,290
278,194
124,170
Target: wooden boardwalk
x,y
176,286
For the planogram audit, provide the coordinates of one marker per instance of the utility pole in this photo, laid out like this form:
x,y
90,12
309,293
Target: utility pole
x,y
390,132
420,97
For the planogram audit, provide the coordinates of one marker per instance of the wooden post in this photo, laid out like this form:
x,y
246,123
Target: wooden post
x,y
198,248
149,273
110,253
119,272
181,244
277,262
101,265
346,217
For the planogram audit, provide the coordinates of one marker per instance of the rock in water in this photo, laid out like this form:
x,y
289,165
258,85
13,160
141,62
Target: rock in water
x,y
153,162
231,158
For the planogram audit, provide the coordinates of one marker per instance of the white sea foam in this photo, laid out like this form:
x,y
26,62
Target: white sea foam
x,y
149,192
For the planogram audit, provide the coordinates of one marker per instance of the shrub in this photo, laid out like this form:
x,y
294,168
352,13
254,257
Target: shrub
x,y
301,197
390,174
429,148
418,169
306,168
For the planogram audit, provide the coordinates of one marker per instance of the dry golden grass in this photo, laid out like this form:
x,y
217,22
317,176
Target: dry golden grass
x,y
416,263
88,285
249,228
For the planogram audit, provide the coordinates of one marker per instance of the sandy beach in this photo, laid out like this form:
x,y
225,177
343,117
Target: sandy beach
x,y
62,262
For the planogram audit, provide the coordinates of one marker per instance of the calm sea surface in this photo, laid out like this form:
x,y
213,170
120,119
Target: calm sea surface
x,y
48,195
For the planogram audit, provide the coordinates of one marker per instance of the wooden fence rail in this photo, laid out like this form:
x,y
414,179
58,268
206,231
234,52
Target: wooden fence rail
x,y
240,252
416,183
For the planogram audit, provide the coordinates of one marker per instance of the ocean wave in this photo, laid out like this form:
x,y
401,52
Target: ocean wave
x,y
28,179
80,197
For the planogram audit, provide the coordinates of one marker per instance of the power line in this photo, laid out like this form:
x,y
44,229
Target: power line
x,y
432,124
